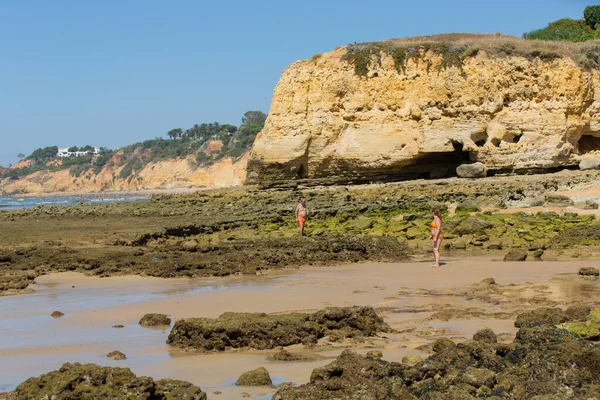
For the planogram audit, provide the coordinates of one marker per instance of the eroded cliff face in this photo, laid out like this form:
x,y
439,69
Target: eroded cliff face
x,y
169,174
510,113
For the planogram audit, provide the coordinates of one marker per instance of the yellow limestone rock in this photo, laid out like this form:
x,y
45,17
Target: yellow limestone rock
x,y
511,113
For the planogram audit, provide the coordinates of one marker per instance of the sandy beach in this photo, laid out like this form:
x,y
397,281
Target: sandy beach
x,y
406,294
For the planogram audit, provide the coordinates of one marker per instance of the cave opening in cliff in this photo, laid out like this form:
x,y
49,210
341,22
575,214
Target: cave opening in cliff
x,y
439,164
588,143
302,172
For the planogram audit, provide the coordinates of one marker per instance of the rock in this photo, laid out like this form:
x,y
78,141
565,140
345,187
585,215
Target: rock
x,y
577,313
558,200
485,335
438,173
443,344
284,355
496,245
475,170
118,326
487,281
479,377
256,377
588,163
360,224
516,255
588,271
471,226
350,377
262,331
546,315
411,360
538,253
90,381
155,320
588,329
468,206
57,314
404,125
410,217
116,355
190,245
374,354
587,205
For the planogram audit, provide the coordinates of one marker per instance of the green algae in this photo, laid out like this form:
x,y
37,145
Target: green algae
x,y
589,329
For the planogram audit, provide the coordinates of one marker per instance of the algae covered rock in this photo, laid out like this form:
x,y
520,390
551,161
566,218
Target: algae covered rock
x,y
411,360
468,206
589,271
262,331
155,320
443,344
116,355
577,313
90,381
284,355
350,377
471,226
588,329
558,200
545,315
57,314
256,377
485,335
516,255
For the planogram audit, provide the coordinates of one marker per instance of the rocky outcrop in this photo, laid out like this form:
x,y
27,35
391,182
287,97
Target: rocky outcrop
x,y
417,105
543,362
262,331
90,381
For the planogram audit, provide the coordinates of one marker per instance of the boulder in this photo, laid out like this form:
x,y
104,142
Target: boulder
x,y
588,163
90,381
116,355
545,315
256,377
57,314
557,200
472,226
468,206
374,354
516,255
475,170
588,271
485,335
360,224
479,377
443,344
155,320
284,355
587,205
577,313
411,360
487,281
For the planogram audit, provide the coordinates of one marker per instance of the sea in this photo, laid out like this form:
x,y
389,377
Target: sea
x,y
14,203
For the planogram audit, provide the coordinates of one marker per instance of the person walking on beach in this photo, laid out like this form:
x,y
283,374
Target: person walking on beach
x,y
301,214
436,235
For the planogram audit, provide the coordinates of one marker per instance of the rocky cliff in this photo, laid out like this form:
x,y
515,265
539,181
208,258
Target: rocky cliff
x,y
409,108
168,174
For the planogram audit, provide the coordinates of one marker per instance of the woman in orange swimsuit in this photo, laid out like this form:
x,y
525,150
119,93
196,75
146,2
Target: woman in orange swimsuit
x,y
436,235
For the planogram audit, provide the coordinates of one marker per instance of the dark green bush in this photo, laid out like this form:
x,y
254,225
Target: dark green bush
x,y
591,15
564,29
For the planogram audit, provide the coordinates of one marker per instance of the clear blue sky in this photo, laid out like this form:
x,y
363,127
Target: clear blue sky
x,y
113,72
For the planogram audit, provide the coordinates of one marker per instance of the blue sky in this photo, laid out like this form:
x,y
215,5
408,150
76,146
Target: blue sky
x,y
113,72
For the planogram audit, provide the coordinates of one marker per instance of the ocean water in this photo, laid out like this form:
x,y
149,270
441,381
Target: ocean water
x,y
13,203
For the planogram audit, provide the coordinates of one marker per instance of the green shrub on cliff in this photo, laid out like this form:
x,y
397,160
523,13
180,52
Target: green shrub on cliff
x,y
564,29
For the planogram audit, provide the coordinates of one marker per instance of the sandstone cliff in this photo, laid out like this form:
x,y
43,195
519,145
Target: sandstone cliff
x,y
168,174
402,109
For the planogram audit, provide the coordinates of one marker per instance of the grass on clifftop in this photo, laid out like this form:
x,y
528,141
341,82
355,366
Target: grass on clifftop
x,y
455,48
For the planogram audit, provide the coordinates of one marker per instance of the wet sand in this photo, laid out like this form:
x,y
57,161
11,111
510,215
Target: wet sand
x,y
406,294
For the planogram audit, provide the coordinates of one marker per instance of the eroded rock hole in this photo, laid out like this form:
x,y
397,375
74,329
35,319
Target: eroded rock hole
x,y
517,138
588,143
302,172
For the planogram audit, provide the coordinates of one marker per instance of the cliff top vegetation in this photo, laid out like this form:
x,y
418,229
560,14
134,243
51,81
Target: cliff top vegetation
x,y
234,142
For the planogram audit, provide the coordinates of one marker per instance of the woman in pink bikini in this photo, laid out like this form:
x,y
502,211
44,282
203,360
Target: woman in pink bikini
x,y
436,235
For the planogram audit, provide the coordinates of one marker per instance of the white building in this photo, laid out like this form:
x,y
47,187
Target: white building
x,y
64,152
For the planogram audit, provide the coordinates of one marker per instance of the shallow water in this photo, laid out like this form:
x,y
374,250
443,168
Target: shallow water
x,y
15,203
